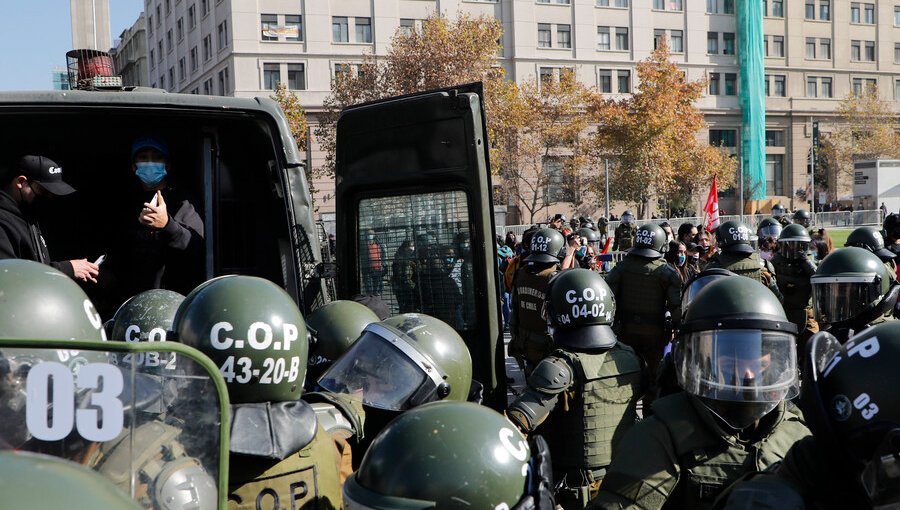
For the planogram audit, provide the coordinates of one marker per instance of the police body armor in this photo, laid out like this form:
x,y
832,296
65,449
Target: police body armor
x,y
602,405
710,462
291,463
794,283
742,264
643,303
624,236
529,294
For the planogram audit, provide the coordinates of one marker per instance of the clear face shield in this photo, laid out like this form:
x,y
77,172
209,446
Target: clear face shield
x,y
839,298
383,371
793,250
627,218
772,231
739,374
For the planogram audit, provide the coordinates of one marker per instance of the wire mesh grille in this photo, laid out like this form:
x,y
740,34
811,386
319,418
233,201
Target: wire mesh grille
x,y
415,255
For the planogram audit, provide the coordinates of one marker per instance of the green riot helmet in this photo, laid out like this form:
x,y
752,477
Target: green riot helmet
x,y
403,362
627,217
802,217
591,237
444,455
335,326
793,243
853,409
581,309
777,211
852,283
547,245
650,241
253,331
734,235
768,228
870,238
31,480
146,317
690,288
737,352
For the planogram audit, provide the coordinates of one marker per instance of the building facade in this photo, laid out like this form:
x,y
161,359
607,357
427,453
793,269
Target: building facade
x,y
817,52
130,55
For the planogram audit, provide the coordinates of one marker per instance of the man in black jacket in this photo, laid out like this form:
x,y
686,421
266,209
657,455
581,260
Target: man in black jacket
x,y
30,180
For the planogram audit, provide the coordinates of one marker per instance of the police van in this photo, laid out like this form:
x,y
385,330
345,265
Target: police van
x,y
413,168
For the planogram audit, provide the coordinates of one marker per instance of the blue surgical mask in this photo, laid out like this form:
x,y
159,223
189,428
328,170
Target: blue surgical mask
x,y
150,173
681,259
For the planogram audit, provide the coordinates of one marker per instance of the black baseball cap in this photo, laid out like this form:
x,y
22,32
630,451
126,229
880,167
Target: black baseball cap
x,y
45,172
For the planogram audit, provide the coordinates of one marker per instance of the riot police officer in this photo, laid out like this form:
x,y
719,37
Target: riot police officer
x,y
333,328
451,455
625,232
255,334
802,217
853,410
602,226
768,228
530,341
645,288
852,290
871,239
738,256
736,361
780,215
583,397
794,269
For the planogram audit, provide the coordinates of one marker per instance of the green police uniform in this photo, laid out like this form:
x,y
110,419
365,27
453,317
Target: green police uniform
x,y
624,237
794,283
682,458
530,339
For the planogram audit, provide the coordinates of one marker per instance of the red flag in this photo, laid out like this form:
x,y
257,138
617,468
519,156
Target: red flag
x,y
711,209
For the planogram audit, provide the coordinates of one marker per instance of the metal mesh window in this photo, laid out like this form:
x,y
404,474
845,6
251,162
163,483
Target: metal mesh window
x,y
414,253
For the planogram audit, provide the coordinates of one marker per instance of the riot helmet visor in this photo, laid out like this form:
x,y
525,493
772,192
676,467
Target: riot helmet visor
x,y
693,286
772,230
839,298
793,249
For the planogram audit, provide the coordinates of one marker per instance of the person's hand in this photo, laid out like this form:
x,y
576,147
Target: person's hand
x,y
155,216
84,270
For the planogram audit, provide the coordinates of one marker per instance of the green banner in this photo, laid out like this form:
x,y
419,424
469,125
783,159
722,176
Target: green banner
x,y
753,97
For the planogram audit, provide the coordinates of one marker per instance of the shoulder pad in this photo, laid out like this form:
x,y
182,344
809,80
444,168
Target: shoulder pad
x,y
552,375
184,484
272,430
333,420
351,409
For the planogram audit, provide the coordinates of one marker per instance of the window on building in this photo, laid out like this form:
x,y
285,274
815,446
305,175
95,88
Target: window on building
x,y
408,26
855,13
545,74
861,85
677,41
777,8
624,79
765,45
826,87
192,16
810,9
604,81
204,10
223,82
602,3
195,90
182,69
825,10
194,59
896,53
675,5
271,76
296,76
730,84
223,34
169,40
268,25
603,41
339,29
810,47
621,3
179,29
293,25
777,45
896,90
712,6
544,35
159,16
779,85
168,7
825,48
659,4
207,47
172,77
658,36
870,51
150,24
714,84
775,174
765,8
564,36
363,30
159,52
855,50
622,38
728,40
712,43
775,138
208,87
869,14
897,15
152,60
811,87
728,6
162,81
723,137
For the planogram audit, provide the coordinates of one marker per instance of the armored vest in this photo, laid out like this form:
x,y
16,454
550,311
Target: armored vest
x,y
709,461
641,291
624,236
529,295
308,477
601,407
794,283
740,263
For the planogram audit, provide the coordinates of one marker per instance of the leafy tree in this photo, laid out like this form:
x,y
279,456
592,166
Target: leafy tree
x,y
444,53
652,136
296,118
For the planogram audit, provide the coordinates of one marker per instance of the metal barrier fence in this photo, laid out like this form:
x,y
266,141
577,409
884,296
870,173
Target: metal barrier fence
x,y
823,219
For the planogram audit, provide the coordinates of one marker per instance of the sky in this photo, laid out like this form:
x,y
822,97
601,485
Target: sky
x,y
36,34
